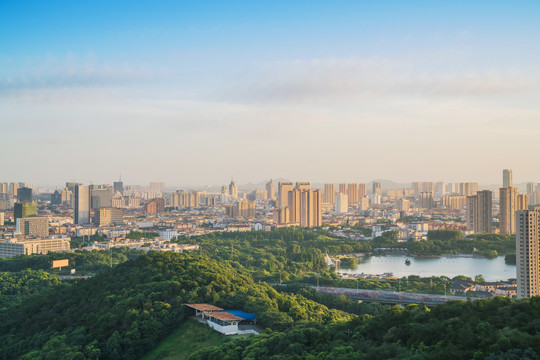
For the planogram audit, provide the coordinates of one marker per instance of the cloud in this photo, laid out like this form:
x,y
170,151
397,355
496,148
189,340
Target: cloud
x,y
320,80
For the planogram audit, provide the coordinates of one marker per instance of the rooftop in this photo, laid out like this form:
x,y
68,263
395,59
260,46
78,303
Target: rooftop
x,y
225,316
204,307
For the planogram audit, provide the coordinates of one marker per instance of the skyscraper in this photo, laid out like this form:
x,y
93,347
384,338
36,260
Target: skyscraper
x,y
81,211
233,189
507,209
352,192
361,191
377,188
118,186
283,193
329,193
507,178
479,212
527,250
343,188
342,204
271,190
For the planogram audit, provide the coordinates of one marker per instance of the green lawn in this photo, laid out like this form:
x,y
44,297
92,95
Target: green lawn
x,y
189,337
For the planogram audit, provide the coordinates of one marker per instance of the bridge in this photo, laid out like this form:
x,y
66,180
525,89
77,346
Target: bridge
x,y
389,297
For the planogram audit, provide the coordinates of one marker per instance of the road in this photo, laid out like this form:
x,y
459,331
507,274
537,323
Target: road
x,y
391,297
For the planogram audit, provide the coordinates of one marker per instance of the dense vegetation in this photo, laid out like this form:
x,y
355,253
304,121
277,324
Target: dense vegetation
x,y
486,329
16,286
123,312
451,242
268,254
81,260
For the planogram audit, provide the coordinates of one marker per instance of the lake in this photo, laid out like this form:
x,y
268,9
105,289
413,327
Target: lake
x,y
491,269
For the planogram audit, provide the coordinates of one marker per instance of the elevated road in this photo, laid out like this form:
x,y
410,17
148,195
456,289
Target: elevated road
x,y
389,297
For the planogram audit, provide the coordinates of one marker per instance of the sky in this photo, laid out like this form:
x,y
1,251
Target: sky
x,y
198,92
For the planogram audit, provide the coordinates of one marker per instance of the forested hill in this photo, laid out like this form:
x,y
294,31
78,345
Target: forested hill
x,y
123,312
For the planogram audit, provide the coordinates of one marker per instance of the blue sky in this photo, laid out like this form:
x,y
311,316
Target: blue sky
x,y
194,92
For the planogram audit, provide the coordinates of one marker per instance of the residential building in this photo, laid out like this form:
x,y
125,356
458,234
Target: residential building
x,y
109,216
527,250
507,209
329,193
283,193
271,190
479,212
342,204
33,226
507,178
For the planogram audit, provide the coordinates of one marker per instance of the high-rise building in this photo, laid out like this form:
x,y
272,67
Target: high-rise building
x,y
56,198
342,188
522,202
242,209
155,206
527,250
305,207
507,209
303,185
24,194
362,191
403,205
479,212
33,227
233,189
377,188
427,187
3,188
352,192
363,203
101,198
109,216
507,178
271,190
329,193
426,200
417,188
157,187
13,187
342,204
283,193
81,205
24,210
118,186
468,189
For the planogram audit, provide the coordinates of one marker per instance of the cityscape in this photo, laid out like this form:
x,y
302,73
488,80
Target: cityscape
x,y
269,180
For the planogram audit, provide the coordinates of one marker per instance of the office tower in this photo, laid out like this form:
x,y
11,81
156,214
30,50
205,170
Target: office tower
x,y
377,188
118,186
507,209
343,188
479,212
155,206
101,198
426,200
507,178
271,190
24,194
362,190
303,185
56,198
33,227
342,204
3,188
329,193
81,205
24,210
352,192
109,216
283,193
522,202
233,189
527,250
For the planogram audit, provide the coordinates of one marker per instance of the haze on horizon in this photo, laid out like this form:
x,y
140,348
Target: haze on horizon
x,y
326,92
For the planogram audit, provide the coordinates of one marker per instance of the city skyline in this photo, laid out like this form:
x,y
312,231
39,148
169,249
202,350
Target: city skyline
x,y
206,90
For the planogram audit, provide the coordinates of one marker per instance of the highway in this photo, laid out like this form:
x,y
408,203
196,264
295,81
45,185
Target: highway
x,y
389,297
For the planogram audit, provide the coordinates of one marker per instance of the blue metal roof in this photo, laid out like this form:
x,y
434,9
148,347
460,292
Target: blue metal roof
x,y
242,314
